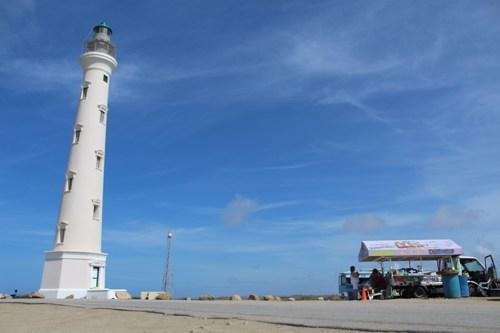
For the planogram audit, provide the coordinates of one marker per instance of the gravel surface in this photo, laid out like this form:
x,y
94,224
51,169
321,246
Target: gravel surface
x,y
403,315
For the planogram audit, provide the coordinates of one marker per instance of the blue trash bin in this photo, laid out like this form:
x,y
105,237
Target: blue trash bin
x,y
464,285
451,286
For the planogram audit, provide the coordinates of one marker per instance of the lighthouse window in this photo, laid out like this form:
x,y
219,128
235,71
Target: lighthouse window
x,y
77,133
84,92
105,78
98,162
69,181
102,113
96,212
99,154
69,185
62,232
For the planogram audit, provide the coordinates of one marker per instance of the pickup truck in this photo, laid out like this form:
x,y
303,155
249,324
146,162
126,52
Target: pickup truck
x,y
411,282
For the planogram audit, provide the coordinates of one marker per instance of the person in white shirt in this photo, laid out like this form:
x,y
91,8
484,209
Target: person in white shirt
x,y
354,284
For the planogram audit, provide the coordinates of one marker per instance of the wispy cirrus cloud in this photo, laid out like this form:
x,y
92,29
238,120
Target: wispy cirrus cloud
x,y
291,166
363,224
314,54
10,33
241,208
343,97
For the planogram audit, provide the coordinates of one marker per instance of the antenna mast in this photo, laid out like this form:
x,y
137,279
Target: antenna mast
x,y
167,276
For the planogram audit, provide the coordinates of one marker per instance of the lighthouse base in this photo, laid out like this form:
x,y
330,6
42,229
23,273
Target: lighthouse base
x,y
67,273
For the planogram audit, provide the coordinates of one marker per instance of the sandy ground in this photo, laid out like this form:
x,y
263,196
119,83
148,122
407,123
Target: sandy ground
x,y
37,318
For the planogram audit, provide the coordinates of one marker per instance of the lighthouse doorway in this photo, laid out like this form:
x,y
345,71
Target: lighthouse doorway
x,y
94,283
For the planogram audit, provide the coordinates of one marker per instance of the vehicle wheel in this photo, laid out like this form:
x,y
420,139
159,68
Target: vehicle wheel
x,y
420,292
407,293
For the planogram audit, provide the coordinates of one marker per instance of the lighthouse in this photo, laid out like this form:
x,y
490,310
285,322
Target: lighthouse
x,y
76,265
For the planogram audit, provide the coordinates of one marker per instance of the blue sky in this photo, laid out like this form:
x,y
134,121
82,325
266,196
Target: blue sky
x,y
271,137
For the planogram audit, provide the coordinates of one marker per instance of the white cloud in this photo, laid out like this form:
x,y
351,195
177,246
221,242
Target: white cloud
x,y
314,54
449,217
363,224
483,248
344,97
488,204
10,32
292,166
239,209
44,75
280,204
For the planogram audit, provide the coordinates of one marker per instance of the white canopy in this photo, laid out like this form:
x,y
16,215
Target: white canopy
x,y
427,249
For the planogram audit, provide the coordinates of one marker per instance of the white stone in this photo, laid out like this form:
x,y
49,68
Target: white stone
x,y
103,293
150,295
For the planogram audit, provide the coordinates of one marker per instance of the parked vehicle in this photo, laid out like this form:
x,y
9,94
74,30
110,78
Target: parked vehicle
x,y
410,282
415,282
483,280
345,287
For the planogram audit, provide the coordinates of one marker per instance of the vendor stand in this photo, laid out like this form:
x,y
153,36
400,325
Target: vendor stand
x,y
414,282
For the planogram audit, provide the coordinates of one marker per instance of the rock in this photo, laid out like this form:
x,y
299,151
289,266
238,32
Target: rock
x,y
253,297
277,299
70,297
268,297
122,294
206,297
321,298
164,297
236,298
149,295
35,294
291,299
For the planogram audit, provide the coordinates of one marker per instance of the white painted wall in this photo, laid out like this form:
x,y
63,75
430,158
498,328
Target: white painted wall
x,y
83,232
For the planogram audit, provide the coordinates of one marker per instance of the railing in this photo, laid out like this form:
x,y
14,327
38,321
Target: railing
x,y
100,46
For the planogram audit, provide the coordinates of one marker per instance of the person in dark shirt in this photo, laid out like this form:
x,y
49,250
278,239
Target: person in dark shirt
x,y
377,281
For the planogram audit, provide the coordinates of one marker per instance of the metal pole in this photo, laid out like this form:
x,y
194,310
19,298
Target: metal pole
x,y
167,276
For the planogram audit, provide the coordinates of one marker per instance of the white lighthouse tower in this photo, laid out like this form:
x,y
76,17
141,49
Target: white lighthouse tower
x,y
76,266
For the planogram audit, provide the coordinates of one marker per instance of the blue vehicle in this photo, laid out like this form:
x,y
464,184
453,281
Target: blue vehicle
x,y
345,287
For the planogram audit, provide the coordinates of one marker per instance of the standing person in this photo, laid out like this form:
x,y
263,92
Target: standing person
x,y
354,284
377,281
